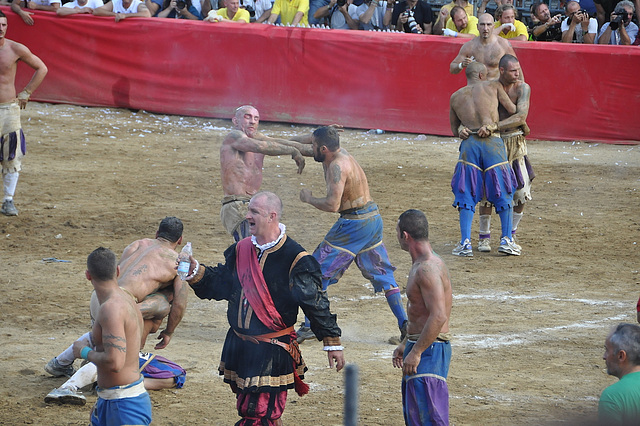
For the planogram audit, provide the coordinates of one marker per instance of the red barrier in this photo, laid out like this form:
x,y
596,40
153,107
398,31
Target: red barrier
x,y
397,82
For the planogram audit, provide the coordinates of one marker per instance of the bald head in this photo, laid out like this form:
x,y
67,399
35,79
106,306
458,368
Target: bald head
x,y
270,201
476,71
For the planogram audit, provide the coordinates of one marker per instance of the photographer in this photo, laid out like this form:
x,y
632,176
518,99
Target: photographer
x,y
619,30
259,10
412,16
579,27
547,28
342,15
180,9
371,14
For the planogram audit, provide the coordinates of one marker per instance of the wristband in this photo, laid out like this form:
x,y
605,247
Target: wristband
x,y
333,348
460,65
24,95
84,353
456,35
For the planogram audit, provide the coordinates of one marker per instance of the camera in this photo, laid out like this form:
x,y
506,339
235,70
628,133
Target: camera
x,y
341,3
411,21
181,4
579,12
251,10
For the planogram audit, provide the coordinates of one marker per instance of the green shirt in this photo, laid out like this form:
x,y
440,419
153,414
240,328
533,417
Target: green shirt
x,y
620,403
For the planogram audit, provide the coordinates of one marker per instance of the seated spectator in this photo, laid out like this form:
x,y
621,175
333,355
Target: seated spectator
x,y
293,12
121,9
79,6
232,13
445,11
620,403
182,9
547,28
261,10
156,6
579,27
460,24
507,26
619,30
371,14
48,5
412,16
342,17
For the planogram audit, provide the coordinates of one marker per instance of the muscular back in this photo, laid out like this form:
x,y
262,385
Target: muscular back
x,y
356,187
476,105
147,266
241,172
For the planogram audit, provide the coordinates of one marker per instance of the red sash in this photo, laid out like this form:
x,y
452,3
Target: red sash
x,y
254,286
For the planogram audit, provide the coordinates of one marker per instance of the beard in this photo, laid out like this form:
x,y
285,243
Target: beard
x,y
319,157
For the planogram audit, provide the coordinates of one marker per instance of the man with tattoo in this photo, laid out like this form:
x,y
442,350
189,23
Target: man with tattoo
x,y
117,330
148,274
357,235
241,159
426,353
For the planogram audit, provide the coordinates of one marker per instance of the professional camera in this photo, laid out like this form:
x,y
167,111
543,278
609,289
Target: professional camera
x,y
250,9
181,4
341,3
615,22
579,12
411,21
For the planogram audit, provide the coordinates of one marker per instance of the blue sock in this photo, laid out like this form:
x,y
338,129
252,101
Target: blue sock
x,y
506,221
394,299
466,218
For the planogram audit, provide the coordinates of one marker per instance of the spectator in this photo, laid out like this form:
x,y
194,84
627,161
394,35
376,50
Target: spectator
x,y
156,6
79,6
233,13
620,403
408,12
261,9
293,12
182,9
547,28
49,5
578,27
121,9
619,30
507,26
343,17
445,11
371,14
460,24
484,9
604,9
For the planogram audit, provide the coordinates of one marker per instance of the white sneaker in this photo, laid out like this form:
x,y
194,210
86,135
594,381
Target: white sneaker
x,y
513,240
463,249
484,245
508,247
65,396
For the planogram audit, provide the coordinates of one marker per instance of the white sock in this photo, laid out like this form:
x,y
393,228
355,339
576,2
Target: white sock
x,y
485,225
10,180
516,221
66,357
86,375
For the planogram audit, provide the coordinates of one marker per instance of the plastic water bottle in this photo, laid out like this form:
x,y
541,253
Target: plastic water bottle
x,y
184,262
376,131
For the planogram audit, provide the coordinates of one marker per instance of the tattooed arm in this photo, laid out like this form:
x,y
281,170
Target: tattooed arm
x,y
335,178
178,307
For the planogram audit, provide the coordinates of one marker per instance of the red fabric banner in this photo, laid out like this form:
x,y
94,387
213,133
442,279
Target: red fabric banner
x,y
361,79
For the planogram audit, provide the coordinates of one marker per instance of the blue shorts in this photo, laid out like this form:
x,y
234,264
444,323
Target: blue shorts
x,y
425,396
356,235
483,170
134,410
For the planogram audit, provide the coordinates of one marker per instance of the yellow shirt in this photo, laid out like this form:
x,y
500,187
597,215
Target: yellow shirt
x,y
468,8
287,10
241,15
521,29
472,26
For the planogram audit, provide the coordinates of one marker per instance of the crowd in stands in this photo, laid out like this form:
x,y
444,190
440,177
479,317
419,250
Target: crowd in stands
x,y
579,21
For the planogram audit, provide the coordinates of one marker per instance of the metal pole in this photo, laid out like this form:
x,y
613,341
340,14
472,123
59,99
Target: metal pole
x,y
351,395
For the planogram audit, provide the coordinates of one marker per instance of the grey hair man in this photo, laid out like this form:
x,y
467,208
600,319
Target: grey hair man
x,y
619,30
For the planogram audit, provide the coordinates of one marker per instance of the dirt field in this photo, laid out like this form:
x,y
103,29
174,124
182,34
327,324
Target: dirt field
x,y
529,330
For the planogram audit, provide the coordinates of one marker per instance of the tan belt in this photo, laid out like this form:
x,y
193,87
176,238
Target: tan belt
x,y
231,198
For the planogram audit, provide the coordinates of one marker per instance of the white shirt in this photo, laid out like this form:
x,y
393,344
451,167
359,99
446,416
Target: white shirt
x,y
338,22
377,17
260,6
592,29
45,2
118,7
90,3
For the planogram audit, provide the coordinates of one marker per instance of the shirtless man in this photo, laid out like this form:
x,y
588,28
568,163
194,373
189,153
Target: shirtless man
x,y
14,146
241,159
482,167
117,330
487,49
425,355
357,235
148,274
513,129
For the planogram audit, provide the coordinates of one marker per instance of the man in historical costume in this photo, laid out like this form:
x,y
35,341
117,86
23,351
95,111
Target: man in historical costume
x,y
265,279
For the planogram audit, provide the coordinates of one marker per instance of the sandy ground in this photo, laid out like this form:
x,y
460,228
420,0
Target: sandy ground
x,y
529,330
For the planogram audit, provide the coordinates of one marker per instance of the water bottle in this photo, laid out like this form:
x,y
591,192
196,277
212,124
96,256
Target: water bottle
x,y
376,131
184,262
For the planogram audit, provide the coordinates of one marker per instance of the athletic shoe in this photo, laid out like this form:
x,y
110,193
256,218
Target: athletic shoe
x,y
304,333
8,209
463,249
513,240
54,368
484,246
65,396
508,247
